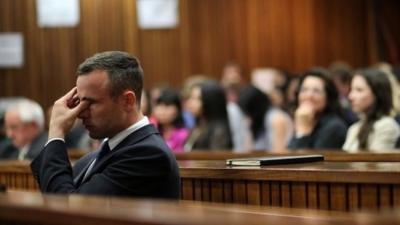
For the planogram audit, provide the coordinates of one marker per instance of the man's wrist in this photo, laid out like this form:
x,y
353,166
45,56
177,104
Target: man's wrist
x,y
55,133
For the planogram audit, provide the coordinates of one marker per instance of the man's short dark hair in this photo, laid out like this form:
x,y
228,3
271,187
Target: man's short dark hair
x,y
124,71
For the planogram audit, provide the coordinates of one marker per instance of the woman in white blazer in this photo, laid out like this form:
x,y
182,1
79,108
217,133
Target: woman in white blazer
x,y
371,99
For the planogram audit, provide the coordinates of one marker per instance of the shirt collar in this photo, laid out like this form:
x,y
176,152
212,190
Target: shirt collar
x,y
113,142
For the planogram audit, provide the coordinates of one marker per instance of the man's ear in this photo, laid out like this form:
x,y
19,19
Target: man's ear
x,y
128,99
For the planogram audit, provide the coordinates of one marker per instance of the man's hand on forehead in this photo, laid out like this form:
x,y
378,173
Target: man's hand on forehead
x,y
74,100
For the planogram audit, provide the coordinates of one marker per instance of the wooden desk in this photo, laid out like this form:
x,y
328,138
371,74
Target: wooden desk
x,y
344,186
333,156
34,208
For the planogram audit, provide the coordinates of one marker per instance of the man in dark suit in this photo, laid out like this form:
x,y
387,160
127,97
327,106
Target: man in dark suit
x,y
24,125
133,159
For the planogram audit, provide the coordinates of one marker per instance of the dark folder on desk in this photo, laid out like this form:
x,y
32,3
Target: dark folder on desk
x,y
274,160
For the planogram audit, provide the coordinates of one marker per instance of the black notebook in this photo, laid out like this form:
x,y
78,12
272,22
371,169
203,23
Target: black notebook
x,y
274,160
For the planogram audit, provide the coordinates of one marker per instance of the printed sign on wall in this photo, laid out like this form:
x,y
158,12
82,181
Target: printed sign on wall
x,y
157,14
11,50
57,13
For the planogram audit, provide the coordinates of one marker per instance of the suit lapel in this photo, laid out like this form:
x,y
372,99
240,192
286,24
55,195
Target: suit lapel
x,y
79,178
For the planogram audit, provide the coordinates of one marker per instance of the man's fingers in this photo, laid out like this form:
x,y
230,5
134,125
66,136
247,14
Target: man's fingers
x,y
82,105
71,98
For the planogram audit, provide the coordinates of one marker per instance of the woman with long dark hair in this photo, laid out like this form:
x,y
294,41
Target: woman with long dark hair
x,y
371,99
207,103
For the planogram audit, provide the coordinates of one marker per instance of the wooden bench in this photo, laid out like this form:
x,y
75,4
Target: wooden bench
x,y
34,208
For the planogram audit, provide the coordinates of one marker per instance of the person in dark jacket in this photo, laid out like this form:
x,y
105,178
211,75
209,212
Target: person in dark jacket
x,y
133,159
318,117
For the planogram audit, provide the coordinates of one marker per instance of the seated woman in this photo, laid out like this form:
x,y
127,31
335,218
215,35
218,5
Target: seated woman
x,y
168,114
318,120
271,128
208,104
371,99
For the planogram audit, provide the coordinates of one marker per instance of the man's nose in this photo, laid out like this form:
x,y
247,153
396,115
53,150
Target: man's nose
x,y
83,114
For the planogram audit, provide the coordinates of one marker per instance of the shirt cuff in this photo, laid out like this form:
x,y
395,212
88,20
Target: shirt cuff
x,y
54,139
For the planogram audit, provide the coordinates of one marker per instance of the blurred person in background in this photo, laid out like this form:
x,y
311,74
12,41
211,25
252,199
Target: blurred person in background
x,y
232,80
168,114
271,127
232,83
272,82
24,124
341,76
319,122
207,103
188,84
371,99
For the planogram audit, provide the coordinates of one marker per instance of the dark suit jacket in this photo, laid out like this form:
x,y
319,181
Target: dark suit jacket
x,y
329,133
141,165
8,151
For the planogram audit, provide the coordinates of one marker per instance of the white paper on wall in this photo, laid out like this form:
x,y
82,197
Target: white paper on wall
x,y
11,50
157,14
57,13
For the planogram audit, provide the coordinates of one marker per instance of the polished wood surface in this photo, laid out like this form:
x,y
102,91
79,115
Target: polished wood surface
x,y
340,186
349,172
34,208
289,34
329,155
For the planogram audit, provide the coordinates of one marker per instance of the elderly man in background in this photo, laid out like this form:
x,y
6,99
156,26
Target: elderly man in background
x,y
24,125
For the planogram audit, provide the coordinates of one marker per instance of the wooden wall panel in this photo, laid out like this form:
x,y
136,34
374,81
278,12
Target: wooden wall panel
x,y
290,34
53,54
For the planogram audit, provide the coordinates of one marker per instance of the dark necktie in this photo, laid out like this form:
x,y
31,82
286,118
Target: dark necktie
x,y
103,151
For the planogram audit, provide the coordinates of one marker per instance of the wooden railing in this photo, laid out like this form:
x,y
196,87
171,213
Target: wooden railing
x,y
329,155
331,185
343,186
33,208
17,175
